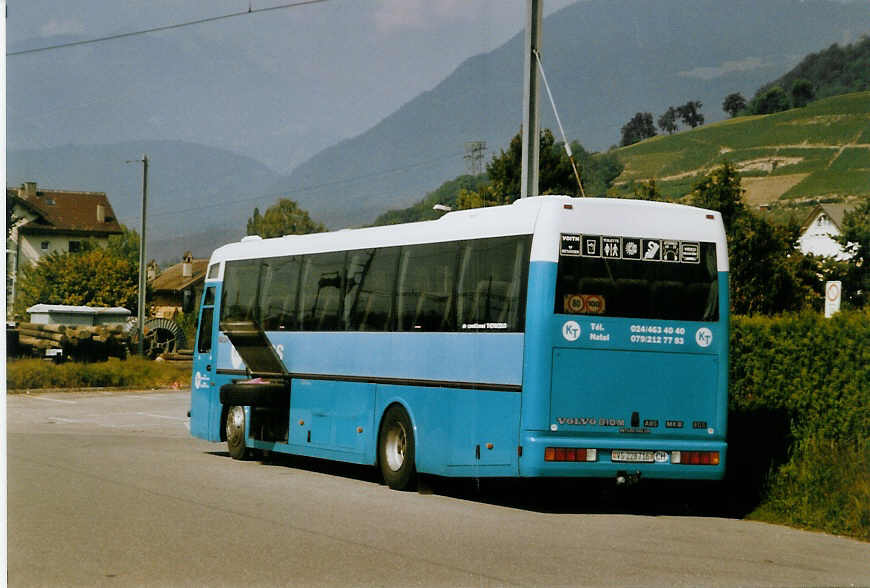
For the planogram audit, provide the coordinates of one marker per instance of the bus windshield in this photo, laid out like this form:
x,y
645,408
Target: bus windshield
x,y
685,288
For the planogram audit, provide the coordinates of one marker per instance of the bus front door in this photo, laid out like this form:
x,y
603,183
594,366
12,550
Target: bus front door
x,y
204,397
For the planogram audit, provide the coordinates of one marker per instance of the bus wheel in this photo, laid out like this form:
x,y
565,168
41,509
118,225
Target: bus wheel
x,y
396,449
236,433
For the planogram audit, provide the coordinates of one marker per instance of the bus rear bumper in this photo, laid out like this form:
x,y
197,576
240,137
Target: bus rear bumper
x,y
545,455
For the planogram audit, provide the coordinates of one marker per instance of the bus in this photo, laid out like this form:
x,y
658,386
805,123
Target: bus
x,y
555,336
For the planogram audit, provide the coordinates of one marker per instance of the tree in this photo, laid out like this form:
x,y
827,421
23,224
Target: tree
x,y
282,218
125,245
96,276
555,174
640,127
668,121
254,222
648,191
770,101
690,113
854,272
734,104
721,191
768,275
802,92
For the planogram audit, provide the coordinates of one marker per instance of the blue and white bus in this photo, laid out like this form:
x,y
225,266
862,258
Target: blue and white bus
x,y
555,336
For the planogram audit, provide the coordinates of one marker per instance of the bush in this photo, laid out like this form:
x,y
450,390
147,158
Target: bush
x,y
799,429
31,374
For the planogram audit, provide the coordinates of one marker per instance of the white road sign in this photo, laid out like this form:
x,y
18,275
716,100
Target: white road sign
x,y
832,298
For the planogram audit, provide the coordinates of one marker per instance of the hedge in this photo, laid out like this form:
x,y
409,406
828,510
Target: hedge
x,y
799,429
134,372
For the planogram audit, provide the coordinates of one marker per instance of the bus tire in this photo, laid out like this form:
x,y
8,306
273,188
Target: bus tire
x,y
235,430
396,449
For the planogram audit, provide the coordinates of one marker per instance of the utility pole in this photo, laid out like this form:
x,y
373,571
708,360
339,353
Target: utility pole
x,y
140,317
531,125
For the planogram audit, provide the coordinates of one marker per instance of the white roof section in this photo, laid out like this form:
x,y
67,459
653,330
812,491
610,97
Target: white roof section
x,y
477,223
91,310
544,216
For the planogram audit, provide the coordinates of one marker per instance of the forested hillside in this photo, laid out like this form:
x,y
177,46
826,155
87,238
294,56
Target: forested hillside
x,y
834,71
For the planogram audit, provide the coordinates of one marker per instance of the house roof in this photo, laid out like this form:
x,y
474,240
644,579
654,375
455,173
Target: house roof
x,y
836,211
171,279
66,211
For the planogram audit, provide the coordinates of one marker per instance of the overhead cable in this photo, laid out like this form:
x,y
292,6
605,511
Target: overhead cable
x,y
250,10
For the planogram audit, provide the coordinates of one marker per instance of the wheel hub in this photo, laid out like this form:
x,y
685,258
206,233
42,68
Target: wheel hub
x,y
236,425
395,447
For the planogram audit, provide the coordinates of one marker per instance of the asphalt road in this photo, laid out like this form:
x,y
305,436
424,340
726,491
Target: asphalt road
x,y
110,489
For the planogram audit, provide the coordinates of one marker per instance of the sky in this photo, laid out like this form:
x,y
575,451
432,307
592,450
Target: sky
x,y
362,59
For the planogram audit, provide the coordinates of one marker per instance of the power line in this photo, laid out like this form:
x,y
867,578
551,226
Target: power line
x,y
250,10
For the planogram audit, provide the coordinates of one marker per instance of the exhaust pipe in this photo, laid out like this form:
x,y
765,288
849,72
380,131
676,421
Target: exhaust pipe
x,y
627,479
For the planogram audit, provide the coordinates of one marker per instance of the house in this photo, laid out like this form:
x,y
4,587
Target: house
x,y
818,232
169,287
40,222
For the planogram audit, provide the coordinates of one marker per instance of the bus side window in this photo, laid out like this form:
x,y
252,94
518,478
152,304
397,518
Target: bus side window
x,y
203,344
491,283
371,277
278,294
322,296
241,282
426,287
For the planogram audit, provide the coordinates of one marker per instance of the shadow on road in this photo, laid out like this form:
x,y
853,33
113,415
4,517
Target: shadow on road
x,y
556,495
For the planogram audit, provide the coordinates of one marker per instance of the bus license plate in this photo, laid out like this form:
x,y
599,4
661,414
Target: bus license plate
x,y
632,456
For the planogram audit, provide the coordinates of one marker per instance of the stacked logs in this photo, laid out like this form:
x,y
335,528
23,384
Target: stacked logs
x,y
78,342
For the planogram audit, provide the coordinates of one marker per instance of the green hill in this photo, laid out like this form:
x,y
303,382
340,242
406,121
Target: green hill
x,y
817,153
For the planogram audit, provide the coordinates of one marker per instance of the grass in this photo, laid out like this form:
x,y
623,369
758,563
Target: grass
x,y
33,374
824,486
812,134
831,182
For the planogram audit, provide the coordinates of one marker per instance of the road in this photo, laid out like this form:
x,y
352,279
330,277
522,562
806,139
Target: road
x,y
110,489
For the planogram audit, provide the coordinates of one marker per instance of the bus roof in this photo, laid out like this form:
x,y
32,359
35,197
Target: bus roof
x,y
549,214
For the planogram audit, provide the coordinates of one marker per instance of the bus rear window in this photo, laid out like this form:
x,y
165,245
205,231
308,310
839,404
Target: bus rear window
x,y
638,288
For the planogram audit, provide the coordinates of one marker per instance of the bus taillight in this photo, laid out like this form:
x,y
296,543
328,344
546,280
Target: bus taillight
x,y
570,454
695,457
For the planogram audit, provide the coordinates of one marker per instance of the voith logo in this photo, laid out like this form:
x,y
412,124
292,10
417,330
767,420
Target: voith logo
x,y
571,330
704,337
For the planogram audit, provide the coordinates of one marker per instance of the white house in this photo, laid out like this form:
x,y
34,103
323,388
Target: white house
x,y
819,229
44,221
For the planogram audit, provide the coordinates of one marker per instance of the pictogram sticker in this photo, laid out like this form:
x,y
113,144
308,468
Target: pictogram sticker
x,y
591,246
611,247
652,249
630,248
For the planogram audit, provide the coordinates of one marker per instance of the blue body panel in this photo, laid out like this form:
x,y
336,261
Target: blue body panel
x,y
483,358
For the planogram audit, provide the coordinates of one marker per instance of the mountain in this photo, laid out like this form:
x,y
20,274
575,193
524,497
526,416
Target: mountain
x,y
198,197
605,61
833,71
